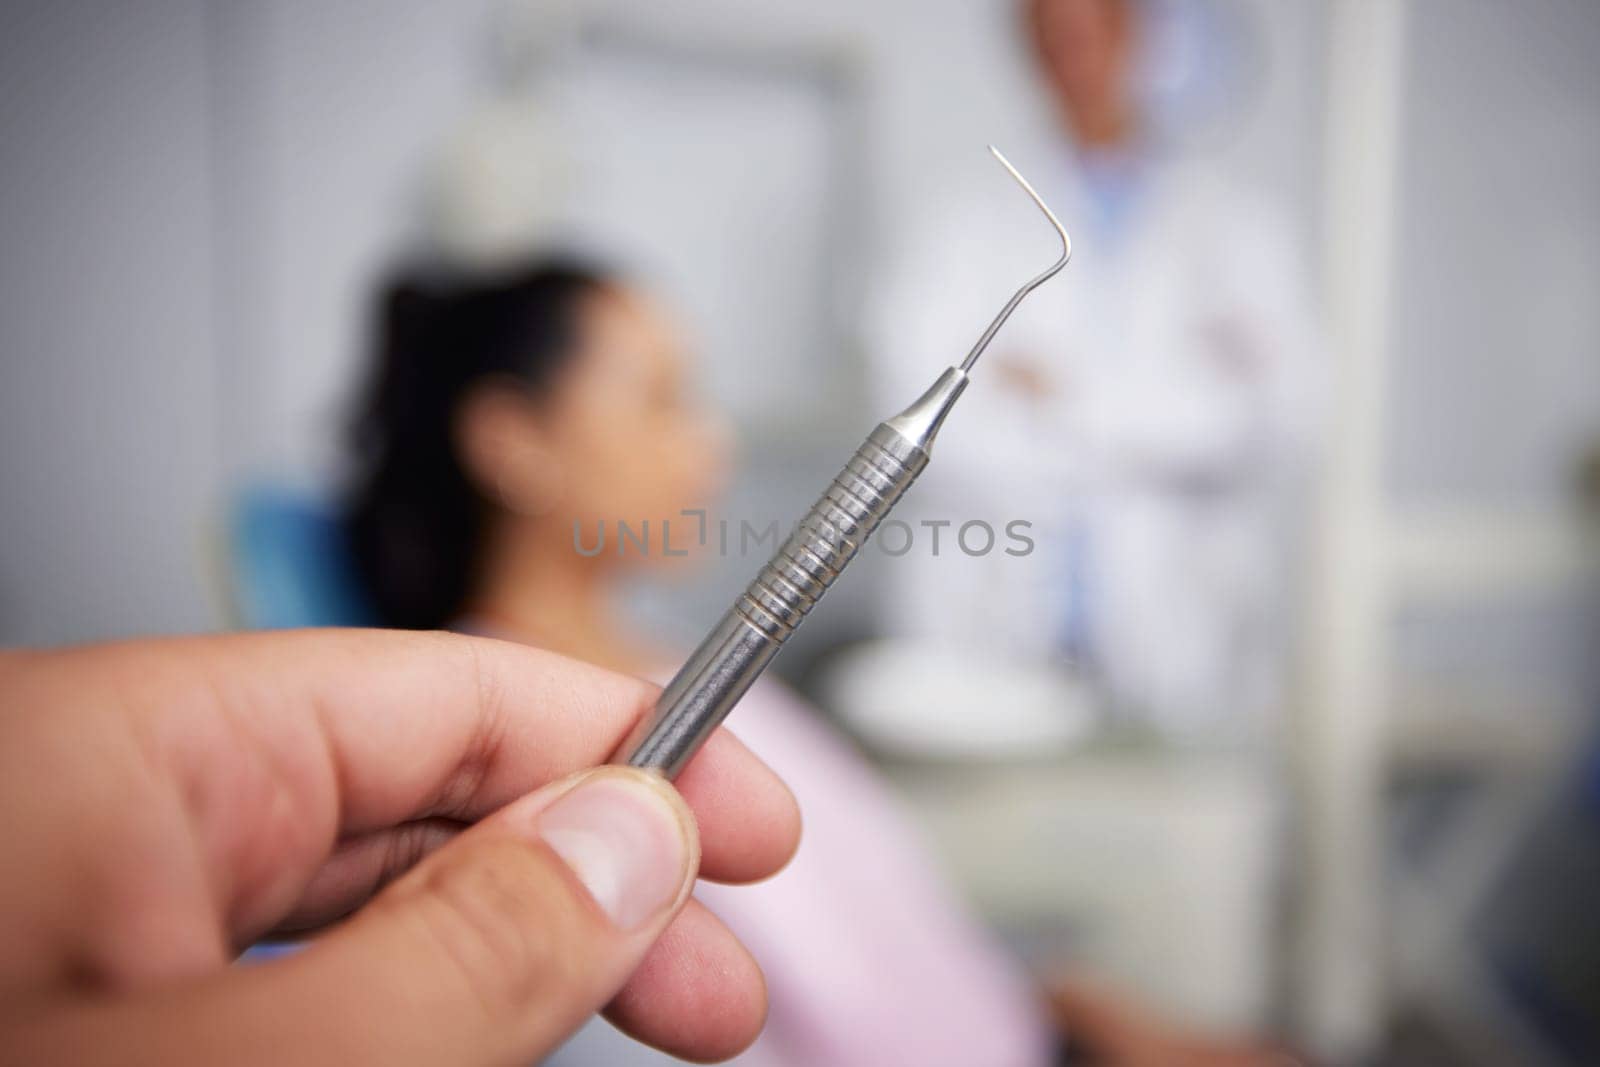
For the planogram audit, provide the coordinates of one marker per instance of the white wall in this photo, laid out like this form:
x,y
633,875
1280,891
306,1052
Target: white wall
x,y
107,381
1494,384
1496,387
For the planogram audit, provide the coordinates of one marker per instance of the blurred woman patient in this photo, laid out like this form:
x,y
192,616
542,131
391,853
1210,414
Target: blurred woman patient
x,y
505,410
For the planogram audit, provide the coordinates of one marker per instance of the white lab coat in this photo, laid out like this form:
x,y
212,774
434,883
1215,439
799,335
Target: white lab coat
x,y
1157,453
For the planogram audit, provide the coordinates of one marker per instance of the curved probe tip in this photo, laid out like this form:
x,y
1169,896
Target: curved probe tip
x,y
1028,287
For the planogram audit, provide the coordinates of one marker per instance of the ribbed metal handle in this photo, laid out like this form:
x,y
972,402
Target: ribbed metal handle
x,y
734,654
831,533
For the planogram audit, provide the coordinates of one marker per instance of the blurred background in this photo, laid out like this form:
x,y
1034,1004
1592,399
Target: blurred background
x,y
1287,722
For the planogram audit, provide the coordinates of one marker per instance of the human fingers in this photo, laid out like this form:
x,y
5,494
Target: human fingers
x,y
698,994
299,740
491,950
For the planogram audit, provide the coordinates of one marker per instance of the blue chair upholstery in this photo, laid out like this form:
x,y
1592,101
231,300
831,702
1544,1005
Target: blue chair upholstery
x,y
290,564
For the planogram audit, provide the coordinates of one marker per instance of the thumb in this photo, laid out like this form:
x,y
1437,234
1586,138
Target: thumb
x,y
502,943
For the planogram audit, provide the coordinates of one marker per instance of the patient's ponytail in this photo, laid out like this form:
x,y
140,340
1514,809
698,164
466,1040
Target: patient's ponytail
x,y
415,519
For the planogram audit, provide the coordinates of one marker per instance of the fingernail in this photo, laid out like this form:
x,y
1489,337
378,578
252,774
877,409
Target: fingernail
x,y
624,841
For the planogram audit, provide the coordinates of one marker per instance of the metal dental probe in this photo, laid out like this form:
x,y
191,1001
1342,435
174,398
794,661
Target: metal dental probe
x,y
734,654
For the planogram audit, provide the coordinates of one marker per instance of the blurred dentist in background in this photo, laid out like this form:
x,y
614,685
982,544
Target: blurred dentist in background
x,y
1147,416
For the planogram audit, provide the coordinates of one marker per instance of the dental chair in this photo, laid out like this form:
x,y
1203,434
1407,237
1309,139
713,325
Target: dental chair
x,y
288,563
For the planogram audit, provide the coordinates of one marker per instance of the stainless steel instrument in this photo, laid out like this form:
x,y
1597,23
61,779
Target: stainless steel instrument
x,y
861,496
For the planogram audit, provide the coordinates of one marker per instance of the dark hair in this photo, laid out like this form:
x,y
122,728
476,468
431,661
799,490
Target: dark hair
x,y
415,521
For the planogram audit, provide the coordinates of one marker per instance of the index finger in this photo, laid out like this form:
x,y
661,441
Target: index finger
x,y
300,738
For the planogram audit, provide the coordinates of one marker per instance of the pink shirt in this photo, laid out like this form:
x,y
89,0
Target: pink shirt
x,y
869,959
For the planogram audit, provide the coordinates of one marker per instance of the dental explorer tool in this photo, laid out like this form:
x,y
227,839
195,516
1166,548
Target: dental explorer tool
x,y
735,653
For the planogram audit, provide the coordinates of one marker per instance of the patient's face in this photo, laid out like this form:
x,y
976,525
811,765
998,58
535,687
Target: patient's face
x,y
629,440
